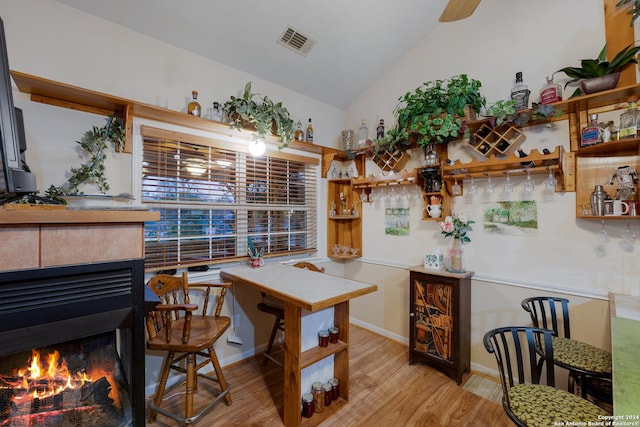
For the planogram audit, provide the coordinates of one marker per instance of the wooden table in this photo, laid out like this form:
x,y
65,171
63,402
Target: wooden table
x,y
625,346
303,289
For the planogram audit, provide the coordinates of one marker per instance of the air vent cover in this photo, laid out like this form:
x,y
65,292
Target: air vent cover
x,y
296,41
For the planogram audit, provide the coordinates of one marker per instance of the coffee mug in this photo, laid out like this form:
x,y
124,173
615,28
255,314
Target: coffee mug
x,y
434,210
257,262
616,207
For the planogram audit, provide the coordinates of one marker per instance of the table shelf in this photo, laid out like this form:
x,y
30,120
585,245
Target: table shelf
x,y
318,353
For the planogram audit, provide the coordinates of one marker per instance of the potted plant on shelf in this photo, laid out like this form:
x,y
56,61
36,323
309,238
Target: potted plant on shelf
x,y
260,113
596,75
438,110
634,9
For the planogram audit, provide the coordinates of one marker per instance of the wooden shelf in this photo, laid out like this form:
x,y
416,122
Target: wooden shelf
x,y
401,178
621,147
318,353
558,161
77,98
345,217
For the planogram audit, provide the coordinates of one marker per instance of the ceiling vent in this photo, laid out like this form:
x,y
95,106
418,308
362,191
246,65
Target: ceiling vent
x,y
296,41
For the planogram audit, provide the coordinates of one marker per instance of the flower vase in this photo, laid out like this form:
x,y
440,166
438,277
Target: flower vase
x,y
455,257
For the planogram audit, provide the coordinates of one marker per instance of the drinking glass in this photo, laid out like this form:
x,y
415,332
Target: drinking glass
x,y
603,236
473,187
456,189
489,186
363,196
551,182
508,185
528,185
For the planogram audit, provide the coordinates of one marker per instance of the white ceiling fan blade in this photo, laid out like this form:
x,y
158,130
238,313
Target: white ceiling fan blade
x,y
458,9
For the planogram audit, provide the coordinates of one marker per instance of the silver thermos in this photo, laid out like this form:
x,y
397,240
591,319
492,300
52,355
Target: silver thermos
x,y
597,200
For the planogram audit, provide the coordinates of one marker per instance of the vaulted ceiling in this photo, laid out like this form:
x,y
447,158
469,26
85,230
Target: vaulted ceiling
x,y
354,41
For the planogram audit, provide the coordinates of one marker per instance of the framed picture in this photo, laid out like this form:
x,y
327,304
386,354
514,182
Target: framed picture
x,y
433,261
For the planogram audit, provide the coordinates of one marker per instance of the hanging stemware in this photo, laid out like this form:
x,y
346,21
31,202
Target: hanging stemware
x,y
456,189
551,182
489,186
508,185
528,185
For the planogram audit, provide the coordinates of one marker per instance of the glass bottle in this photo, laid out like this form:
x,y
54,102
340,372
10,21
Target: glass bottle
x,y
299,135
307,405
520,93
629,121
216,113
193,107
309,135
363,134
380,130
551,92
317,390
592,133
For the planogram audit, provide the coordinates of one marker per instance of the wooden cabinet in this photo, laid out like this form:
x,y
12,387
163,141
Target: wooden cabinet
x,y
344,224
440,320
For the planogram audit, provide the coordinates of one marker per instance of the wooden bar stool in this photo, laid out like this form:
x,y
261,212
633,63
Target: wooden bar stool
x,y
586,363
176,326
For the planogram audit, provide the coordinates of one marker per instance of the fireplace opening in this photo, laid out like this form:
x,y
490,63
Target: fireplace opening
x,y
76,383
85,319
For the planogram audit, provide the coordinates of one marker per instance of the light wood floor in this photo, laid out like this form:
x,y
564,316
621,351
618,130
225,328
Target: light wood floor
x,y
385,391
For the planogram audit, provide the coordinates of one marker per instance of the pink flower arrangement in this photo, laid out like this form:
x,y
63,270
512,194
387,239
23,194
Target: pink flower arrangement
x,y
457,226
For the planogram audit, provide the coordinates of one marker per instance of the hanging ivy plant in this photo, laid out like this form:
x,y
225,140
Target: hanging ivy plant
x,y
95,143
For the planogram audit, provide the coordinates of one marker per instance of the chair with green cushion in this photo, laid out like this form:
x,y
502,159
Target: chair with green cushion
x,y
586,364
525,400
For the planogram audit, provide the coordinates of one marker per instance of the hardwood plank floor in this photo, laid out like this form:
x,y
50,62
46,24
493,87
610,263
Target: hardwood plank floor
x,y
385,391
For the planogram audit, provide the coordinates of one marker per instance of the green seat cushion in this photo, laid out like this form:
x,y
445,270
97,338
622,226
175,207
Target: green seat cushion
x,y
540,405
581,355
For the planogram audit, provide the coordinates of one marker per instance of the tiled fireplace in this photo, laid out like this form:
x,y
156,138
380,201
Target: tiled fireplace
x,y
72,325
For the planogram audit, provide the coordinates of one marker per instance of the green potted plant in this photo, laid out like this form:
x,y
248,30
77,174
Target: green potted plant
x,y
501,111
634,10
436,111
606,72
262,113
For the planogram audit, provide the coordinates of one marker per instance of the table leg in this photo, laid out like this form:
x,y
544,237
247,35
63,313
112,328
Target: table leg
x,y
292,364
341,359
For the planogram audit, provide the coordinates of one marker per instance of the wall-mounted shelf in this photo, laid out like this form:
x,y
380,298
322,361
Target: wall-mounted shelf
x,y
558,161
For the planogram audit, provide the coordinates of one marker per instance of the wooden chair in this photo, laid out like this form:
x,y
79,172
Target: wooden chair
x,y
187,335
275,307
524,399
588,365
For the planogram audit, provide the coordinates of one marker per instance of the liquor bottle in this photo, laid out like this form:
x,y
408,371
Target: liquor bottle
x,y
299,135
551,92
309,135
520,93
193,107
380,129
629,121
521,155
592,133
363,134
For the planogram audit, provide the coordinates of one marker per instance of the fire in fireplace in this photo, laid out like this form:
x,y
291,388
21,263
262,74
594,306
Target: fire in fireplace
x,y
71,384
72,350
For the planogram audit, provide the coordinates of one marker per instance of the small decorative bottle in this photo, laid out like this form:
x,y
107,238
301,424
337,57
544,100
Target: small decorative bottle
x,y
193,107
309,135
520,93
216,114
299,135
551,92
363,134
629,121
592,133
380,130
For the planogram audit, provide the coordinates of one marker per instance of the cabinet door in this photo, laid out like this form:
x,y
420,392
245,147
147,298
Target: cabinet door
x,y
432,306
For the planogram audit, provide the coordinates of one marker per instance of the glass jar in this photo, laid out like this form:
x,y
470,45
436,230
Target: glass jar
x,y
317,390
335,389
333,335
328,395
323,338
307,405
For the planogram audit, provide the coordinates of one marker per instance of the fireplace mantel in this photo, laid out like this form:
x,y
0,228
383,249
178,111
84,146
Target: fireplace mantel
x,y
49,238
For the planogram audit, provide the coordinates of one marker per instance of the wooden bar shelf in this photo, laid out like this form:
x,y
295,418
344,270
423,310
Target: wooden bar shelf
x,y
318,353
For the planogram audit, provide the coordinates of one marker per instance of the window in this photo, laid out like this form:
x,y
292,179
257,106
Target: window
x,y
212,198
